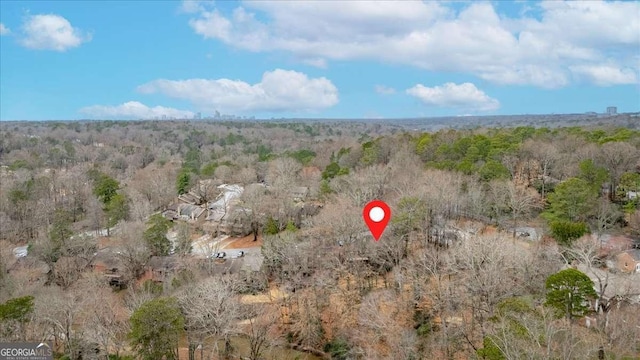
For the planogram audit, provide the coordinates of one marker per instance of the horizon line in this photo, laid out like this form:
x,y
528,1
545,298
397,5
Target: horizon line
x,y
334,118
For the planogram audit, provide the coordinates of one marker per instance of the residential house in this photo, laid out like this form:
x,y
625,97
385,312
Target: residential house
x,y
191,198
109,264
160,267
188,209
299,193
228,198
612,288
171,212
224,215
189,212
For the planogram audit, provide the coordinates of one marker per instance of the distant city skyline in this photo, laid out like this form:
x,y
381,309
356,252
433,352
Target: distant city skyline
x,y
316,59
609,111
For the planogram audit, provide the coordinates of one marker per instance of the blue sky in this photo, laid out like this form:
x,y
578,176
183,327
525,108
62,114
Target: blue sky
x,y
336,59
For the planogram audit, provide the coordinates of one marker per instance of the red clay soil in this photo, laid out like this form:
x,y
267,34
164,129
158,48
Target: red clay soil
x,y
104,242
242,242
99,268
489,230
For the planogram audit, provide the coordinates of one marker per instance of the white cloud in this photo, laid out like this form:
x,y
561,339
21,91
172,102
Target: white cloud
x,y
384,90
194,6
465,96
51,32
591,23
279,90
524,50
605,75
4,30
212,25
134,110
316,62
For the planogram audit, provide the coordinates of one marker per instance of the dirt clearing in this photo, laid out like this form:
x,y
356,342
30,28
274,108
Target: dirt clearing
x,y
241,242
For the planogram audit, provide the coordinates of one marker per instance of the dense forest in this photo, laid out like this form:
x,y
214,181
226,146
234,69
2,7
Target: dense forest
x,y
504,243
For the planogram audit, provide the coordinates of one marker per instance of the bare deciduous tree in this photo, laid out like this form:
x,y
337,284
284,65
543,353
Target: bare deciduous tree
x,y
607,216
183,238
57,312
254,207
283,172
260,329
545,155
364,185
134,254
211,311
521,201
224,173
618,157
105,321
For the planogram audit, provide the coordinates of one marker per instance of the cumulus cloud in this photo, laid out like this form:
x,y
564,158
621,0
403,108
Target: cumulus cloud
x,y
384,90
278,91
4,30
51,32
134,110
527,50
465,96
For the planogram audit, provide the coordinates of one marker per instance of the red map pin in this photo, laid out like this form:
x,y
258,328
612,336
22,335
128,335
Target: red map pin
x,y
376,215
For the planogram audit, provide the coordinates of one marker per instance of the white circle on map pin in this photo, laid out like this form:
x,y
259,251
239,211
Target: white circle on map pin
x,y
376,214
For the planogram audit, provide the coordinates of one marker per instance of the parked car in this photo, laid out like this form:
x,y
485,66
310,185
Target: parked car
x,y
237,254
